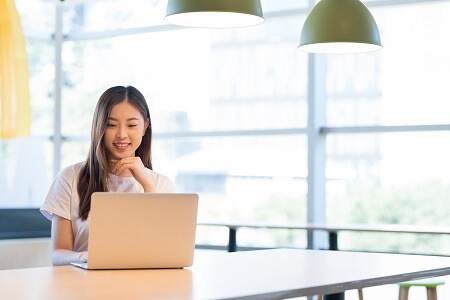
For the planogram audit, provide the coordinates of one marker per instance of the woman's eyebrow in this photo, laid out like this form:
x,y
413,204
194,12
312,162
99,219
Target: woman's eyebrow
x,y
129,119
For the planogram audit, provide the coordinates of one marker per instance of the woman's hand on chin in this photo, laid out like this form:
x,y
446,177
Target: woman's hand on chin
x,y
137,169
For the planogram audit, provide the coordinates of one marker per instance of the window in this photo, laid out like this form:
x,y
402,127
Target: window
x,y
230,114
405,83
26,163
223,107
391,174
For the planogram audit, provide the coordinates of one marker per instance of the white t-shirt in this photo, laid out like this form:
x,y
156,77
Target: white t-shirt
x,y
63,199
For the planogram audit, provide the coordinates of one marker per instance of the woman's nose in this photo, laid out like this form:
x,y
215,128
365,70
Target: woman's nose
x,y
121,132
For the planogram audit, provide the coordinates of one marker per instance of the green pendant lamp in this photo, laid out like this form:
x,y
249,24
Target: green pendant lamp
x,y
214,13
340,26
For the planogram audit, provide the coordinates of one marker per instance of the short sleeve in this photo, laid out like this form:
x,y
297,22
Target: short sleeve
x,y
165,185
168,186
59,195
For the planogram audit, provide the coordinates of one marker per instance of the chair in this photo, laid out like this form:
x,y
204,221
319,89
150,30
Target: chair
x,y
360,294
429,284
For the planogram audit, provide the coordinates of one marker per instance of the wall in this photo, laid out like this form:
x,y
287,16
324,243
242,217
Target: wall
x,y
25,253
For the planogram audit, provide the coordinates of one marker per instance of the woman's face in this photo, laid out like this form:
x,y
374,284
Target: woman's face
x,y
124,131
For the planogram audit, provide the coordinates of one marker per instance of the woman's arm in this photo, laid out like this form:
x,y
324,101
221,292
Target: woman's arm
x,y
62,243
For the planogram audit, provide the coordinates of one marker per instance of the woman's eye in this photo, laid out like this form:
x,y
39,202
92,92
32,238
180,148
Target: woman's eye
x,y
132,125
110,125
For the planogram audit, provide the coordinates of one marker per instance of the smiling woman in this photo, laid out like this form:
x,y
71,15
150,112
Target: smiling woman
x,y
119,160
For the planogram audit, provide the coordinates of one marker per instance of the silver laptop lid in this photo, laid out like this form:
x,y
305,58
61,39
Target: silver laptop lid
x,y
142,230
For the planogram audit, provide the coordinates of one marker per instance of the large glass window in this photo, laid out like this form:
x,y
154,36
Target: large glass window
x,y
26,162
229,114
400,177
41,81
404,83
389,178
37,16
240,178
204,88
194,80
97,16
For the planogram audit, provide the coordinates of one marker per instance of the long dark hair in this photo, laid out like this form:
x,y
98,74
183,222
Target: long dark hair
x,y
94,172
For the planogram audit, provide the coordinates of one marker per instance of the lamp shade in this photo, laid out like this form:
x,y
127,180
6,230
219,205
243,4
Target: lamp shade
x,y
214,13
340,26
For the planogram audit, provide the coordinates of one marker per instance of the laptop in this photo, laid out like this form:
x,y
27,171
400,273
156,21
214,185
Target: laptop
x,y
141,230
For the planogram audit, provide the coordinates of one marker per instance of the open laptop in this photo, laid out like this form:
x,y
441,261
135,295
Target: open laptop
x,y
141,230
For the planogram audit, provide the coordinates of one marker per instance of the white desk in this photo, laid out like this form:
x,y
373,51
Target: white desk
x,y
265,274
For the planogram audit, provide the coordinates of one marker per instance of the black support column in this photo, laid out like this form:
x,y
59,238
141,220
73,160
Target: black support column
x,y
232,245
333,241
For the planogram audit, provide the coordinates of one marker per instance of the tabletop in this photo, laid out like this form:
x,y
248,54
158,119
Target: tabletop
x,y
263,274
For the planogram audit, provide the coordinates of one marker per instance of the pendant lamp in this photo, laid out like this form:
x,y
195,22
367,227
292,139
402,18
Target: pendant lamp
x,y
340,26
214,13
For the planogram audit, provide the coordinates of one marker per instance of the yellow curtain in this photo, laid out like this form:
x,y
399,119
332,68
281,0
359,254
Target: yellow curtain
x,y
15,119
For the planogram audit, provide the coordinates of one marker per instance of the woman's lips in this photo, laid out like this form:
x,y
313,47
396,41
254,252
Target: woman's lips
x,y
121,146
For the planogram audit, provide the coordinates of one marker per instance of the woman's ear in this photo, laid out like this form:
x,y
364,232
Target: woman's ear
x,y
146,124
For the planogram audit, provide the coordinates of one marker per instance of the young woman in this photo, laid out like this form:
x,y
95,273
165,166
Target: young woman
x,y
119,160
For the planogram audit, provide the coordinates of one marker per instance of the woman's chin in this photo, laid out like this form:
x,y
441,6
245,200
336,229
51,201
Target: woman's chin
x,y
118,155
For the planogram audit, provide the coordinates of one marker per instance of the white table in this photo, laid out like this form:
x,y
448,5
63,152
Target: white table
x,y
331,229
264,274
